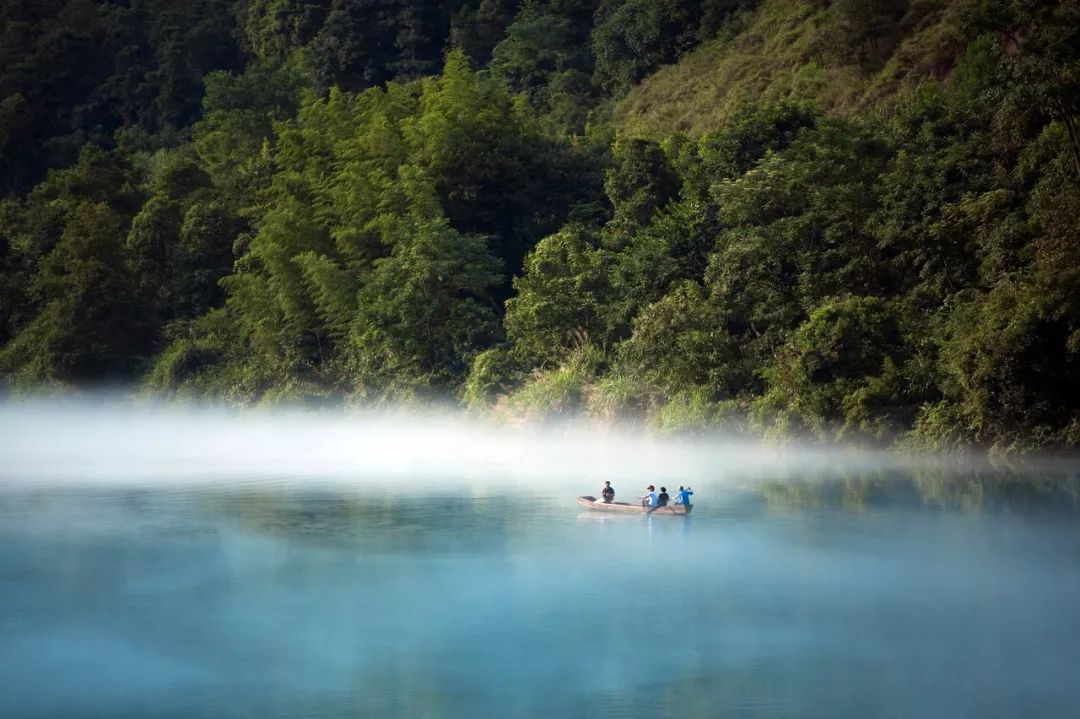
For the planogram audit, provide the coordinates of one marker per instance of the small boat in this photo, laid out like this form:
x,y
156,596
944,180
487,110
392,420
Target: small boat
x,y
591,503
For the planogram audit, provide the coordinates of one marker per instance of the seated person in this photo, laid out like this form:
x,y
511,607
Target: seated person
x,y
649,500
662,499
607,493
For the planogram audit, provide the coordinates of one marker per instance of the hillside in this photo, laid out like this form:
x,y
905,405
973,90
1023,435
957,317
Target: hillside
x,y
803,52
848,220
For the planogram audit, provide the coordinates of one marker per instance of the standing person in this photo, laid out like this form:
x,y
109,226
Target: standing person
x,y
649,500
663,498
684,497
608,493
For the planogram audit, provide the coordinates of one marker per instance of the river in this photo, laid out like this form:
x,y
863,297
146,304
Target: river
x,y
898,592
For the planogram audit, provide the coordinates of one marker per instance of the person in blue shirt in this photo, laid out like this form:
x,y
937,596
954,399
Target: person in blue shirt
x,y
683,497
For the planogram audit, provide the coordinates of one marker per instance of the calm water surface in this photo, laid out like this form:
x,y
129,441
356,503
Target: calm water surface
x,y
947,596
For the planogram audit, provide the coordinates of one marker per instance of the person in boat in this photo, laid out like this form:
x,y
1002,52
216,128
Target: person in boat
x,y
649,499
607,493
684,496
663,498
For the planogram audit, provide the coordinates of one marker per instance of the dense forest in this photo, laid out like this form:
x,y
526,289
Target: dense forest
x,y
850,220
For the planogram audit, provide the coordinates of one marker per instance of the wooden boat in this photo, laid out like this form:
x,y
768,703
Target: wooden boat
x,y
591,503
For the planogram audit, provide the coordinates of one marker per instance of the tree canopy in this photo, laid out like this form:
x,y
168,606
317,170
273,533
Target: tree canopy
x,y
418,201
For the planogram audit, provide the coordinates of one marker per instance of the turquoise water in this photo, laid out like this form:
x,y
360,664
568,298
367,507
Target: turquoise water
x,y
854,596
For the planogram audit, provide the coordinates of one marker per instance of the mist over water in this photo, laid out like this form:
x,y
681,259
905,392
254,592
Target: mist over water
x,y
165,561
124,444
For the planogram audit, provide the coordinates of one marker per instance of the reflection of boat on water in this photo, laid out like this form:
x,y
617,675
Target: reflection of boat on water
x,y
591,503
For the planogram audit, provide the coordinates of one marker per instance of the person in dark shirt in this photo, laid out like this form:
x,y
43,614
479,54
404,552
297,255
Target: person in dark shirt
x,y
607,493
662,498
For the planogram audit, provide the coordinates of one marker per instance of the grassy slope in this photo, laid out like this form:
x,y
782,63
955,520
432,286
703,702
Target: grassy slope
x,y
786,50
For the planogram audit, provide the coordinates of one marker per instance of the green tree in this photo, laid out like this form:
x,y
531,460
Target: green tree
x,y
632,38
493,168
925,224
640,183
74,72
1039,59
92,326
798,233
31,227
839,372
752,133
202,257
424,312
479,26
239,113
180,244
560,298
275,28
674,246
1009,346
545,54
366,43
680,343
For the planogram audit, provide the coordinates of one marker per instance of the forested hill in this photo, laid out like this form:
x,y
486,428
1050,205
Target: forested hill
x,y
845,219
